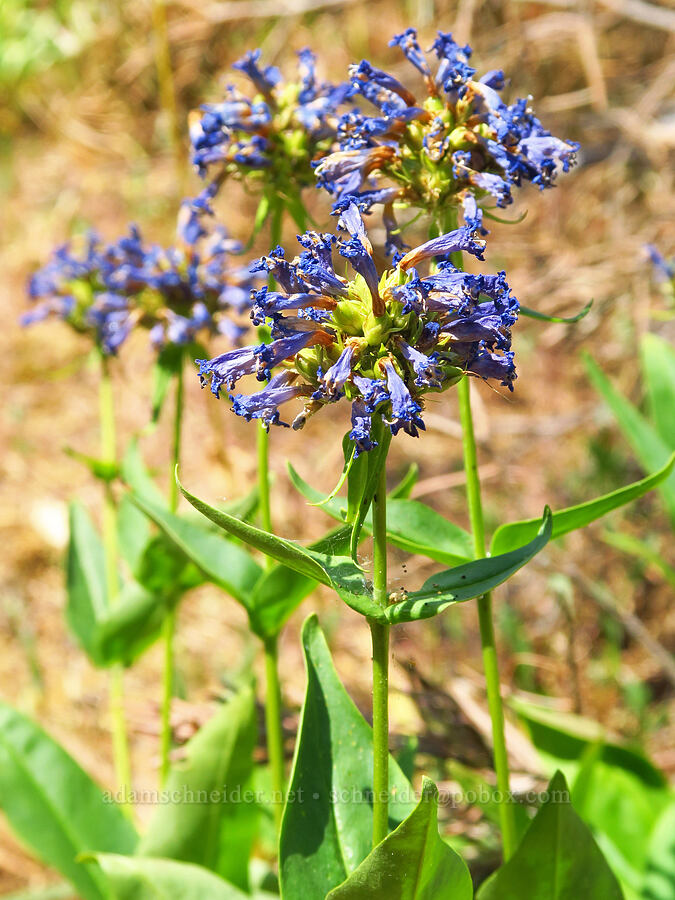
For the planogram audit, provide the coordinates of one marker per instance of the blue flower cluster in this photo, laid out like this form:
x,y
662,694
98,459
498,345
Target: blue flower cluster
x,y
382,341
460,139
175,292
276,133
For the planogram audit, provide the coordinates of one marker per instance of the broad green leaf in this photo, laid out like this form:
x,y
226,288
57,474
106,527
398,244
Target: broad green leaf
x,y
411,526
563,738
338,572
622,811
327,826
85,581
143,878
54,807
216,765
131,625
133,531
658,365
275,597
137,477
557,859
223,562
467,581
412,863
659,878
567,320
511,535
648,446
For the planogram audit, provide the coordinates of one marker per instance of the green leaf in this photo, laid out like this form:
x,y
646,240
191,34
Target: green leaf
x,y
223,562
133,531
659,879
406,484
327,825
216,765
467,581
557,859
376,460
562,738
131,625
143,878
658,365
409,526
275,597
167,367
287,552
338,572
648,446
412,863
87,601
511,535
135,474
622,811
568,320
54,807
100,468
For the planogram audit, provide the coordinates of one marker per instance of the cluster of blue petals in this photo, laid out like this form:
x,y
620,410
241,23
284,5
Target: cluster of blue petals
x,y
481,145
243,133
175,292
382,342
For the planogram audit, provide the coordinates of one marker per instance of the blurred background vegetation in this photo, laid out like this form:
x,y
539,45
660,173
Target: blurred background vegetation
x,y
587,628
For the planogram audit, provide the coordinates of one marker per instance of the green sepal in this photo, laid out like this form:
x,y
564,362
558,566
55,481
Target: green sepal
x,y
513,534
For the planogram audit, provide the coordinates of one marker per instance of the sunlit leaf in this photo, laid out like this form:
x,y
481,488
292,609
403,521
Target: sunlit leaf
x,y
54,807
144,878
513,534
412,863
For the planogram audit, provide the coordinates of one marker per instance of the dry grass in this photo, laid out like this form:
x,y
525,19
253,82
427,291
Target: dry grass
x,y
87,144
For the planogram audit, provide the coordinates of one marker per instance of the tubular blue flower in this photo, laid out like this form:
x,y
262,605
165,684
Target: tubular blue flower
x,y
176,292
460,138
272,136
444,244
381,343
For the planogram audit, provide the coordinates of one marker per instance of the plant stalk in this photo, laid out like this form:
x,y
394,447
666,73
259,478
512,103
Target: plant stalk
x,y
167,89
380,638
169,625
487,633
120,738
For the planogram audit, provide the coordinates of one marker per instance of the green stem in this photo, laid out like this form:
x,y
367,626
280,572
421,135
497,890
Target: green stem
x,y
169,625
111,554
487,633
275,737
380,637
273,724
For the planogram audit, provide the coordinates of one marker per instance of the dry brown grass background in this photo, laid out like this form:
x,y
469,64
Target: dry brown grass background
x,y
84,142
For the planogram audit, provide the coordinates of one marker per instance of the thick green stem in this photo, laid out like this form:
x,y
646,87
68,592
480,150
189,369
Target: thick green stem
x,y
275,737
111,554
380,637
487,634
169,625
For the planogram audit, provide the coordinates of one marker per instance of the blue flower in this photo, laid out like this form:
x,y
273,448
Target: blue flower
x,y
275,134
460,139
380,340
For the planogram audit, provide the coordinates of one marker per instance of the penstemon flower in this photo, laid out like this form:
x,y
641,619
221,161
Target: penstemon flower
x,y
458,143
273,135
176,292
382,341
